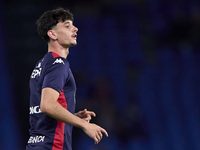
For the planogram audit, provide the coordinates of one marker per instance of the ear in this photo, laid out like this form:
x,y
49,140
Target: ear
x,y
52,34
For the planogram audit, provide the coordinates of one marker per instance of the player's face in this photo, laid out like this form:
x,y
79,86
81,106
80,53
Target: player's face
x,y
66,33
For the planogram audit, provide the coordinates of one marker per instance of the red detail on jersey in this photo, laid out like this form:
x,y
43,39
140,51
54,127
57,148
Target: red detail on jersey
x,y
62,100
55,55
60,129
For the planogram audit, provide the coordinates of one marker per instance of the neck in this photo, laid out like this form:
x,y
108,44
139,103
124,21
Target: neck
x,y
62,51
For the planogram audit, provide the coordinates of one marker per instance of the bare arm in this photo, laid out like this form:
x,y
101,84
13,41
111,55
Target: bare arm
x,y
52,108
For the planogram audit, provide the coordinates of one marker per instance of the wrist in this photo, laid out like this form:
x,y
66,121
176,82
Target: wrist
x,y
83,124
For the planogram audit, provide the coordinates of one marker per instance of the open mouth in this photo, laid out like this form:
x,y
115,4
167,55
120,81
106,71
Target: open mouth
x,y
74,36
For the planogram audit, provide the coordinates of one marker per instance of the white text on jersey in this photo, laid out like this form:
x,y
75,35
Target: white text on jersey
x,y
36,139
35,110
36,72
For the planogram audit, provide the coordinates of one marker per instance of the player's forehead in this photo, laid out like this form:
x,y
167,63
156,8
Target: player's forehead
x,y
66,22
62,24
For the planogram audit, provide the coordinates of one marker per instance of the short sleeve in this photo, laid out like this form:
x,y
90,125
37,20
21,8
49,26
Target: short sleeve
x,y
56,75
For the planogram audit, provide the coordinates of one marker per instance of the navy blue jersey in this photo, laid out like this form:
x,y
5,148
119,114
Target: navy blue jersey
x,y
47,133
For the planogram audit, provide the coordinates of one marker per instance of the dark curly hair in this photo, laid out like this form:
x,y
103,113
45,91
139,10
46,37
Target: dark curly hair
x,y
50,19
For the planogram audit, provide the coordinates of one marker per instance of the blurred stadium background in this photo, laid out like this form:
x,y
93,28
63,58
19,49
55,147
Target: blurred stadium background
x,y
136,65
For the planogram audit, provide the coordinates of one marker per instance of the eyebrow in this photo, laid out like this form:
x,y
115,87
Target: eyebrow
x,y
67,22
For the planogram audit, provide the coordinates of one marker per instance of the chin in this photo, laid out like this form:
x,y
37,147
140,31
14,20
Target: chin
x,y
73,44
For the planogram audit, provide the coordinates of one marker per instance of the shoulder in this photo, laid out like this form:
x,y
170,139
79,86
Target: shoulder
x,y
51,59
55,64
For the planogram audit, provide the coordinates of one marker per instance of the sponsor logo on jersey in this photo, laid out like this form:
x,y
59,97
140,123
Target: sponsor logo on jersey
x,y
36,139
58,60
35,110
39,65
36,72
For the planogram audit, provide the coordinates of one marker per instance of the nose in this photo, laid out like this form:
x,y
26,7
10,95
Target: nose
x,y
75,29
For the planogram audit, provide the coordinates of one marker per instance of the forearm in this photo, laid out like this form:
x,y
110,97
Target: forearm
x,y
52,108
56,111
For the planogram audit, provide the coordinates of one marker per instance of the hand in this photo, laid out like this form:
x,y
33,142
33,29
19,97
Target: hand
x,y
85,115
95,132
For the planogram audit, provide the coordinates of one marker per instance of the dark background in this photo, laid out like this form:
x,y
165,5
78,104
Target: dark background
x,y
136,66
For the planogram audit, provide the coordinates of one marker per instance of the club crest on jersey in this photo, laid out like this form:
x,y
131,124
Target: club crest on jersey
x,y
59,60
